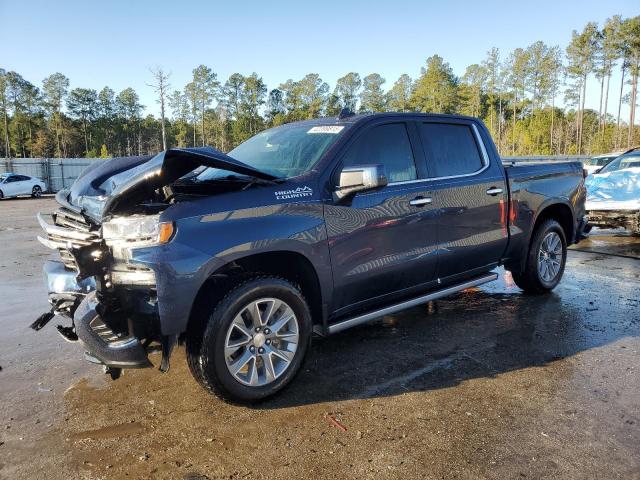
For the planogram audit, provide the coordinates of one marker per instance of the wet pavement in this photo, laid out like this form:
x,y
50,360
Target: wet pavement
x,y
489,383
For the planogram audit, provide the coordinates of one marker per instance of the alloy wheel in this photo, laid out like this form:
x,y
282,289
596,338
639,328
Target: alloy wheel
x,y
550,257
261,342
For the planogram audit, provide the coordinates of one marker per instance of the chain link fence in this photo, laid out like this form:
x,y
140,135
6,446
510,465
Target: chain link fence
x,y
59,173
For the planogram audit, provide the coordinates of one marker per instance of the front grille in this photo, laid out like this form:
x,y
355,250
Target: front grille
x,y
70,230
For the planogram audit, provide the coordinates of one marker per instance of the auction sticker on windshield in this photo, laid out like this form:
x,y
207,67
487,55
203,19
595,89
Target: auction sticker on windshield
x,y
326,129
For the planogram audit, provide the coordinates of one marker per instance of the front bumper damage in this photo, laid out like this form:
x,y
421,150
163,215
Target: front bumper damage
x,y
110,301
627,219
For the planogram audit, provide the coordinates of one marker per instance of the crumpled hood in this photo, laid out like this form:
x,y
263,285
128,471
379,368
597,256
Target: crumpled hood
x,y
616,190
106,185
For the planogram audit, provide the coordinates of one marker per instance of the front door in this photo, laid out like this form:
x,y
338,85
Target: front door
x,y
11,186
383,242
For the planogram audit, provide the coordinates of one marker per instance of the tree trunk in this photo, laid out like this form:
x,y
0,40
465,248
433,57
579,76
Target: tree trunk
x,y
600,121
56,124
553,114
513,133
195,126
632,111
202,126
164,135
86,142
606,104
500,119
584,93
618,136
7,147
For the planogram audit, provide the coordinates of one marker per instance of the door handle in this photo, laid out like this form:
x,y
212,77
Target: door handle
x,y
420,201
493,191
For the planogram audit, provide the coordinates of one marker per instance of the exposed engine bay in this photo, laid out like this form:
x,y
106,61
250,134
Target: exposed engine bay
x,y
112,210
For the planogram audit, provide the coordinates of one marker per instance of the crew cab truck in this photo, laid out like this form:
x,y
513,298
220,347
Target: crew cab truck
x,y
309,227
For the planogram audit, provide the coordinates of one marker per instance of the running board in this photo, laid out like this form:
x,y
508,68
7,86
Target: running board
x,y
367,317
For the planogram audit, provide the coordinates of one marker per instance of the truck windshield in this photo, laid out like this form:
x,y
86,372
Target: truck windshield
x,y
285,151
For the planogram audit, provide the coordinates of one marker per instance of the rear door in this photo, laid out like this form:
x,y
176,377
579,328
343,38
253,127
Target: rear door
x,y
383,242
470,193
23,185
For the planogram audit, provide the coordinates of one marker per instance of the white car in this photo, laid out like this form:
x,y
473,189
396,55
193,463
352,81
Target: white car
x,y
594,164
14,184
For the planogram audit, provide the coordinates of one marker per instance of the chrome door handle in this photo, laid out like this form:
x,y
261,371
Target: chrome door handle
x,y
494,191
420,201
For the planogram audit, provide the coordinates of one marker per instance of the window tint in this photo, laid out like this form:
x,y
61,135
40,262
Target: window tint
x,y
451,149
387,145
13,178
21,178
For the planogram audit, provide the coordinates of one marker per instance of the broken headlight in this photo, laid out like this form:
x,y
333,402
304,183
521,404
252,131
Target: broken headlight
x,y
137,229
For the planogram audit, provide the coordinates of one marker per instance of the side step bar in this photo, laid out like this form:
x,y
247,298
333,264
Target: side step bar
x,y
367,317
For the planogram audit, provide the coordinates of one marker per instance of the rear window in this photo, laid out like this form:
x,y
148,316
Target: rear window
x,y
451,149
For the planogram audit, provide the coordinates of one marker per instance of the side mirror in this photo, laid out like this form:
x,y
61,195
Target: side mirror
x,y
359,178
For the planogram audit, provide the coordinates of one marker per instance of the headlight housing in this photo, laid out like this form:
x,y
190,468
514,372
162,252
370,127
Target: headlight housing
x,y
137,229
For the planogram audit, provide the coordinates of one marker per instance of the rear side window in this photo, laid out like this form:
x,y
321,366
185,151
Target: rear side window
x,y
387,145
451,149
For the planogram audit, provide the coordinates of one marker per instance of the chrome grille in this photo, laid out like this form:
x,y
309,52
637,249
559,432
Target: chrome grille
x,y
67,231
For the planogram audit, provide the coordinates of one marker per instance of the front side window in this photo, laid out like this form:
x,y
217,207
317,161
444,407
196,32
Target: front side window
x,y
451,149
387,145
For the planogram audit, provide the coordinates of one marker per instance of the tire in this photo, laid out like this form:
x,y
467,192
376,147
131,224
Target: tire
x,y
36,191
213,354
537,278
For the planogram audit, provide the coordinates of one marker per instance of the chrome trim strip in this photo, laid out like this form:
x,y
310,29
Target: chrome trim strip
x,y
65,232
483,154
367,317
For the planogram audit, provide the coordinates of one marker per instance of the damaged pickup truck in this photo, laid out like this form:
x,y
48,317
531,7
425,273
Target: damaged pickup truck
x,y
310,227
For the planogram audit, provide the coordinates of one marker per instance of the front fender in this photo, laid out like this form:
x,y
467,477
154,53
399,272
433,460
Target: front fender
x,y
202,245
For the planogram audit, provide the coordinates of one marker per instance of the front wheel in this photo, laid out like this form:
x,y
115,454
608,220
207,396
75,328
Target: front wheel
x,y
253,342
545,261
36,192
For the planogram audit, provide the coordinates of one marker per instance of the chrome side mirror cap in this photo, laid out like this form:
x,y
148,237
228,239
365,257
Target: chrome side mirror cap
x,y
359,178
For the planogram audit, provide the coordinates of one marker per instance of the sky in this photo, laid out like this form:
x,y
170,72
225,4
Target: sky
x,y
116,42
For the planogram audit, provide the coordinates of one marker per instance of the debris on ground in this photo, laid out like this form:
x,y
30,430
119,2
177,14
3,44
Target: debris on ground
x,y
336,423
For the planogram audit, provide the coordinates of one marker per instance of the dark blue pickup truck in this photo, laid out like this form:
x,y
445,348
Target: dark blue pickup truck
x,y
310,227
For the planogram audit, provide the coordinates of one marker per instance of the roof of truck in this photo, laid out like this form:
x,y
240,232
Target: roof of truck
x,y
355,118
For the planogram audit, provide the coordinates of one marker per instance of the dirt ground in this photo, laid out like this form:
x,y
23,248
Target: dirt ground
x,y
486,384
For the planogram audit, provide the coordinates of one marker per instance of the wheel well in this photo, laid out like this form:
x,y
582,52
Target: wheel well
x,y
291,266
560,213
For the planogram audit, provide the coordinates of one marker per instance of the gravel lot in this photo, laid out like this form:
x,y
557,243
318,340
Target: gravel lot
x,y
487,384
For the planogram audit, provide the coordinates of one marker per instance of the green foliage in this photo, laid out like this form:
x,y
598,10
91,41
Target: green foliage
x,y
372,97
436,90
516,96
398,98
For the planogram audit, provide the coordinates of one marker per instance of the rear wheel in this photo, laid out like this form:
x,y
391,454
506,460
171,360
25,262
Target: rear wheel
x,y
36,192
253,342
545,260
